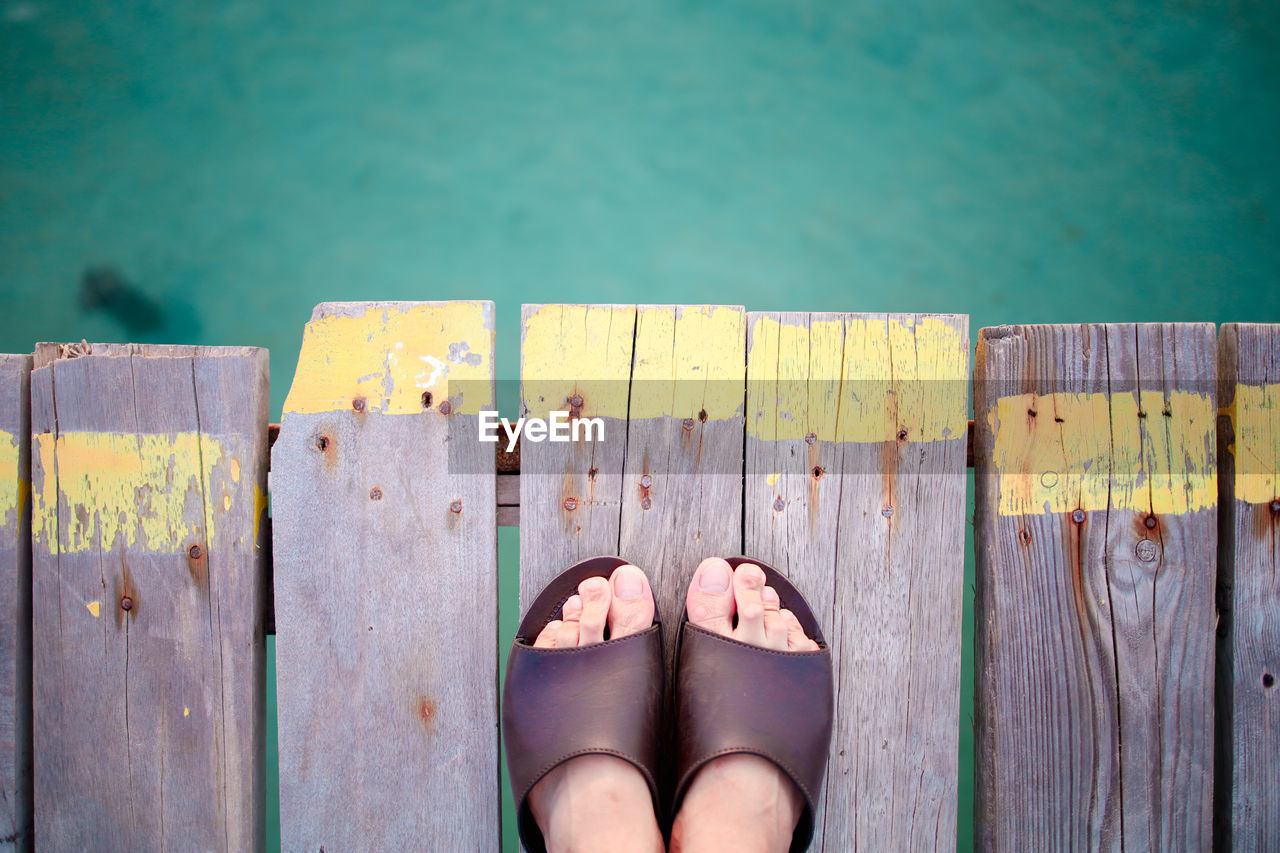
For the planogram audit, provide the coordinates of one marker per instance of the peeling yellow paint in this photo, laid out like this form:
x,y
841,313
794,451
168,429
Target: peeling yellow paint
x,y
10,484
226,502
1256,418
140,491
1099,451
688,361
94,608
582,350
858,379
259,511
186,712
771,479
235,470
391,355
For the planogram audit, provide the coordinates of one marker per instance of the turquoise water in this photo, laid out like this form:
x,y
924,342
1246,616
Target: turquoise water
x,y
232,166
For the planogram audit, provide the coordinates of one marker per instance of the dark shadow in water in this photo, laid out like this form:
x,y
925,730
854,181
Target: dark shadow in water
x,y
143,317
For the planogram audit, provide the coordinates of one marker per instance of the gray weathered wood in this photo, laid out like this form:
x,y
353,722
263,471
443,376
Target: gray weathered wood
x,y
574,358
682,478
15,591
855,488
1247,804
148,484
386,582
1095,531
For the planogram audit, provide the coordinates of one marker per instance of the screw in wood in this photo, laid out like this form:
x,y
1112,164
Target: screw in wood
x,y
126,603
571,504
1146,550
887,511
358,404
646,481
1150,522
195,552
1077,515
810,438
446,407
687,423
455,506
375,494
779,504
576,401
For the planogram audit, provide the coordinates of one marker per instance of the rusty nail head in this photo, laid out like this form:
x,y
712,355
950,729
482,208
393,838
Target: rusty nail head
x,y
902,435
426,399
358,404
195,552
1025,535
688,423
1150,522
455,506
646,481
1077,515
322,442
375,494
779,504
126,603
646,502
576,401
887,511
1146,550
571,504
702,415
1275,505
446,407
810,438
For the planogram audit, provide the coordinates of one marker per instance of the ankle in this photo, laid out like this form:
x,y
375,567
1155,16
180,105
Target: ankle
x,y
593,803
738,802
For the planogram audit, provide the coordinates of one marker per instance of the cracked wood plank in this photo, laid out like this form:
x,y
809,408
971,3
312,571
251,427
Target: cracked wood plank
x,y
1247,815
1096,531
15,591
855,488
386,582
574,358
148,488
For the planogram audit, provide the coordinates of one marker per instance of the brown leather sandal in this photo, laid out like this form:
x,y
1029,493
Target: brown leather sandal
x,y
602,699
732,697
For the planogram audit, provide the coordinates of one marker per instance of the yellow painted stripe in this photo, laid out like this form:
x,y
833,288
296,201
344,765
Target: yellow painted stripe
x,y
392,355
582,350
688,361
1094,451
11,492
142,492
1256,417
860,379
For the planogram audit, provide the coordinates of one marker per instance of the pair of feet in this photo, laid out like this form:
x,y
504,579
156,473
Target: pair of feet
x,y
736,802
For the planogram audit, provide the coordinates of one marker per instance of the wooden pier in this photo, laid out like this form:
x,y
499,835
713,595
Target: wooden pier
x,y
154,526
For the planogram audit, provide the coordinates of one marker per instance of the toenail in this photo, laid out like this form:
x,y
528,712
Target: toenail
x,y
628,585
714,578
594,587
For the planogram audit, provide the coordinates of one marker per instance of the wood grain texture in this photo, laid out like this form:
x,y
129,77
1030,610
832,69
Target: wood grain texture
x,y
570,493
855,488
1247,805
148,483
1095,531
15,592
386,587
682,478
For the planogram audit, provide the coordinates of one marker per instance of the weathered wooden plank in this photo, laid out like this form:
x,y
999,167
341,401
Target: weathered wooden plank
x,y
1248,779
574,358
386,582
15,591
1095,530
148,484
682,478
855,487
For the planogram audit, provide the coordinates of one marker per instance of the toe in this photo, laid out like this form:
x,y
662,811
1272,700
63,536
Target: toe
x,y
775,624
567,635
748,595
710,599
631,608
547,639
797,640
595,610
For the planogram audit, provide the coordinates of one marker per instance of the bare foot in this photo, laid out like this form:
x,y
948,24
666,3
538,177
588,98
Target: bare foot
x,y
742,803
598,802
